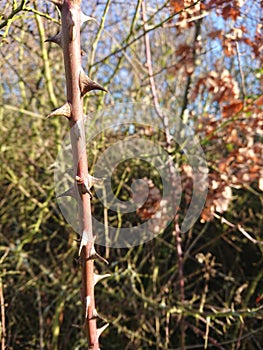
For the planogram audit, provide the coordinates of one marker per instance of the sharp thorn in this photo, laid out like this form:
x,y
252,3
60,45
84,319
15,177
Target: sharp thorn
x,y
98,278
94,255
71,192
94,315
95,180
64,110
101,330
57,39
84,18
86,190
87,187
86,84
85,239
88,183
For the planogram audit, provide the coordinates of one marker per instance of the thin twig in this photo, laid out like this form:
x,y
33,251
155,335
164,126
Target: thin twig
x,y
243,88
189,76
239,228
164,119
41,320
47,68
22,111
150,29
12,15
98,35
2,328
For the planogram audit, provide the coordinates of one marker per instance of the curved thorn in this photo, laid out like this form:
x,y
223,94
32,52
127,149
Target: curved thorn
x,y
85,189
88,183
64,110
84,18
71,192
94,255
85,239
98,278
57,39
85,186
94,315
86,84
95,180
101,330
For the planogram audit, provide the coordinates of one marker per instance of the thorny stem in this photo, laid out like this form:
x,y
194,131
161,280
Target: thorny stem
x,y
78,84
164,119
72,62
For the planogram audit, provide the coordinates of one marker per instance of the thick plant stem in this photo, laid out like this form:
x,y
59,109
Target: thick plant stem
x,y
72,60
78,84
71,21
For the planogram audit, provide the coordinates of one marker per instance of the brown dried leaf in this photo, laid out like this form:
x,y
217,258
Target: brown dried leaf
x,y
232,109
218,33
177,5
230,11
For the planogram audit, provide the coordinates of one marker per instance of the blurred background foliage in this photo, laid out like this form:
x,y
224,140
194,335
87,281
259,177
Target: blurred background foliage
x,y
207,63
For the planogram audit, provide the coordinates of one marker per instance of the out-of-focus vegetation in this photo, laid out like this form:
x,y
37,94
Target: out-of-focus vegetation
x,y
207,64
